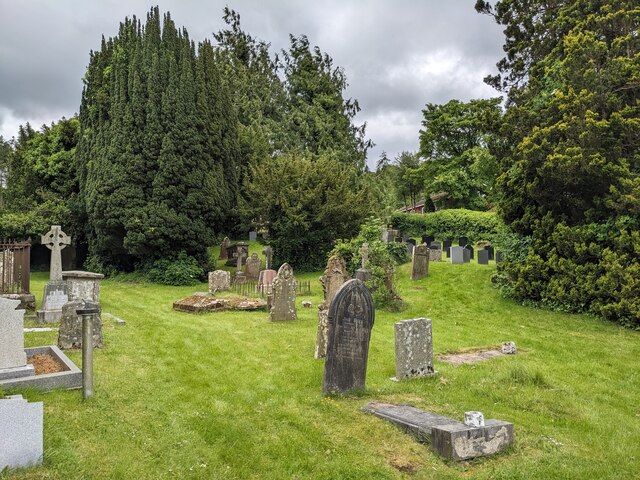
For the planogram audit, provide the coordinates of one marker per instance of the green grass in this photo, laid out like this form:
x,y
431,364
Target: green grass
x,y
231,395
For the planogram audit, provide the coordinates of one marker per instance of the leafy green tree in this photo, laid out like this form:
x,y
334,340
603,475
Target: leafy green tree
x,y
570,167
305,205
455,142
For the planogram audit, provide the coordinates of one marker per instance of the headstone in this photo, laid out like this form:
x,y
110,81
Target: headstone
x,y
83,285
13,359
21,437
334,276
483,257
70,331
448,437
435,252
55,291
410,247
446,245
283,305
253,236
388,235
471,250
253,266
462,241
265,281
414,348
351,317
466,255
428,239
420,262
223,249
242,251
491,251
457,255
219,281
268,256
499,256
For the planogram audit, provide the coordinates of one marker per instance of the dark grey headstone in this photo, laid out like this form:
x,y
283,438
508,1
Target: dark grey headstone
x,y
462,241
446,245
471,251
483,257
457,255
351,317
491,251
70,331
466,255
499,256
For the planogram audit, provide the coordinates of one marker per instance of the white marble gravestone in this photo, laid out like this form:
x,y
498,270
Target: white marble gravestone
x,y
13,359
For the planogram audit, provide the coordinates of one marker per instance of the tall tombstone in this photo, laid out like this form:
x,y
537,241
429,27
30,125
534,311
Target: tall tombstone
x,y
13,359
268,256
224,255
414,348
483,257
420,262
55,291
283,304
334,276
410,247
457,255
253,266
446,245
351,317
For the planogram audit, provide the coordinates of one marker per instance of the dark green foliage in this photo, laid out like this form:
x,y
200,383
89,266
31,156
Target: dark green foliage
x,y
184,270
455,143
305,205
570,164
451,224
382,260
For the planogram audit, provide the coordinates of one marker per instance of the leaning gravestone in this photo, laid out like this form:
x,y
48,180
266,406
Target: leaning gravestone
x,y
223,249
334,276
219,281
483,257
414,348
13,359
55,291
70,331
253,265
21,437
351,317
283,306
457,255
420,262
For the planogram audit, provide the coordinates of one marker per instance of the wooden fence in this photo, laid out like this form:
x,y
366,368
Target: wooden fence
x,y
15,273
250,288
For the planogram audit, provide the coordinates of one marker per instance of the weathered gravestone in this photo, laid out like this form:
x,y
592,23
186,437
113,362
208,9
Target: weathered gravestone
x,y
457,255
448,437
420,262
21,437
268,256
70,331
283,306
253,265
483,257
471,251
334,276
253,236
223,249
435,252
265,281
55,291
219,281
446,246
351,317
242,252
83,285
414,348
13,359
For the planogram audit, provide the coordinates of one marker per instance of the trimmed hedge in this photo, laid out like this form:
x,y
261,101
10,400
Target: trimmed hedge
x,y
451,224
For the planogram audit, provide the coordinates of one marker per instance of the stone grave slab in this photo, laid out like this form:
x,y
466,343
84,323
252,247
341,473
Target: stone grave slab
x,y
55,291
414,349
351,318
448,437
499,256
199,303
21,432
471,251
491,251
466,255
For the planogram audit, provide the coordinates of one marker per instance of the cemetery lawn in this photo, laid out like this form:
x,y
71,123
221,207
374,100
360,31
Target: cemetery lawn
x,y
231,395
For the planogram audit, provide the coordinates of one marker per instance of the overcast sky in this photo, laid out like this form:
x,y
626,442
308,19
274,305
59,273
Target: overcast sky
x,y
397,55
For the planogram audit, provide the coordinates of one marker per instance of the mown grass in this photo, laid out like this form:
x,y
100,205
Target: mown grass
x,y
231,395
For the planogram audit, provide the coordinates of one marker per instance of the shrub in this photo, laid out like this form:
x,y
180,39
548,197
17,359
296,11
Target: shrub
x,y
184,270
451,224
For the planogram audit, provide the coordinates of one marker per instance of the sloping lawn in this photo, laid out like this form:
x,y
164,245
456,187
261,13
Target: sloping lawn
x,y
231,395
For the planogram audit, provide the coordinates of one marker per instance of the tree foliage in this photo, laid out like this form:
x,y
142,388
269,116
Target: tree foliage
x,y
570,165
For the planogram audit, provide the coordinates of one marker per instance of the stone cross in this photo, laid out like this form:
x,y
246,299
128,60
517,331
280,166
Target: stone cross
x,y
364,253
55,240
268,255
351,317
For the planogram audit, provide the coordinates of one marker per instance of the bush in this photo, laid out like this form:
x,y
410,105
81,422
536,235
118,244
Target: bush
x,y
184,270
451,224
